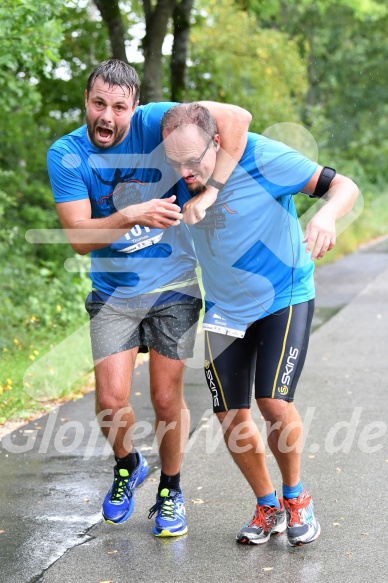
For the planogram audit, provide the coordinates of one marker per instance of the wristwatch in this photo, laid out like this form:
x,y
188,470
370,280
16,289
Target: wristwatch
x,y
218,185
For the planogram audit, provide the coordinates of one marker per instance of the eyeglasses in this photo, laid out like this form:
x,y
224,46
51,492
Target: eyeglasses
x,y
189,163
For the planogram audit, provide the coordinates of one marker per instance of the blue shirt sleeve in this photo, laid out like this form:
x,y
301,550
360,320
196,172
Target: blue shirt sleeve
x,y
66,180
147,118
286,170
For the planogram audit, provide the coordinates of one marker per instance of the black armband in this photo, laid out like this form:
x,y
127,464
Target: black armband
x,y
324,182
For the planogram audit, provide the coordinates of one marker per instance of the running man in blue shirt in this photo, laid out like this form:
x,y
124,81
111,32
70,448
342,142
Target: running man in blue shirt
x,y
113,196
259,288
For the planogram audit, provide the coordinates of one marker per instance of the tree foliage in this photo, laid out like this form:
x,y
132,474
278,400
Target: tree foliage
x,y
33,37
346,52
30,37
264,72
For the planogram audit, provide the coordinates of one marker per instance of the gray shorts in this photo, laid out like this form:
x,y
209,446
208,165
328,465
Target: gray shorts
x,y
166,322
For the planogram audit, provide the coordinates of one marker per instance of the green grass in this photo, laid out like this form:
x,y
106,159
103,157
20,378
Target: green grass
x,y
36,369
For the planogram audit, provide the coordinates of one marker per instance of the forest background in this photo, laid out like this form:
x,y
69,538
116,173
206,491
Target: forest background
x,y
318,66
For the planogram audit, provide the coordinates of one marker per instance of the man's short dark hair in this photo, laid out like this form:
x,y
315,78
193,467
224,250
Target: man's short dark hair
x,y
116,72
189,114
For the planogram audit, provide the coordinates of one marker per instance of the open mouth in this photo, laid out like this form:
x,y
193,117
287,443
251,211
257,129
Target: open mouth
x,y
190,179
104,134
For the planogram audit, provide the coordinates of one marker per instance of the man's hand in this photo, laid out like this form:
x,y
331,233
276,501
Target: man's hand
x,y
194,210
86,234
159,213
320,234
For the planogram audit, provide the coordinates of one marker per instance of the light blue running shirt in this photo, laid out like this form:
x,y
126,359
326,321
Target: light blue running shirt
x,y
249,245
129,173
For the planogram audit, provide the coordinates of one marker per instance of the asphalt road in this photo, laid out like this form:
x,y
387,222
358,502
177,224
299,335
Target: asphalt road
x,y
55,471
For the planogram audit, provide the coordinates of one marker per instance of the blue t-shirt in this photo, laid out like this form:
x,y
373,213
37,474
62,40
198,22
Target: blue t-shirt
x,y
249,245
129,173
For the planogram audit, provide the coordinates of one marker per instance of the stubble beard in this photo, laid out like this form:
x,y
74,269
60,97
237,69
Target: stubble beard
x,y
195,189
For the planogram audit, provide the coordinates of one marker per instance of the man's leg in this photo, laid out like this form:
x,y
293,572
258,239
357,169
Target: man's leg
x,y
115,338
285,434
282,346
113,383
172,418
172,425
170,331
247,449
229,370
246,446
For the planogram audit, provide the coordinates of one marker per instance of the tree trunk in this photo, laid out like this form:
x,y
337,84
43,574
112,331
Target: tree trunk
x,y
111,15
181,18
156,21
156,29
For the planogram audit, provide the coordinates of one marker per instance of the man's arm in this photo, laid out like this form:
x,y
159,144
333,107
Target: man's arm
x,y
232,124
320,234
86,234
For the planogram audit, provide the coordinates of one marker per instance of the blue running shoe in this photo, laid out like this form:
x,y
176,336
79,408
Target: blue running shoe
x,y
302,527
171,515
119,502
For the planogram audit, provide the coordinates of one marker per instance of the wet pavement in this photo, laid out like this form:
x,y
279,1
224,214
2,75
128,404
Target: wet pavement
x,y
55,471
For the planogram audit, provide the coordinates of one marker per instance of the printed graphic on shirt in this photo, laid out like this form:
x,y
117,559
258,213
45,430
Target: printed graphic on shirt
x,y
137,238
215,219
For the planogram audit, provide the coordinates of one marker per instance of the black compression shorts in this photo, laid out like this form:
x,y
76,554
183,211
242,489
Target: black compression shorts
x,y
271,354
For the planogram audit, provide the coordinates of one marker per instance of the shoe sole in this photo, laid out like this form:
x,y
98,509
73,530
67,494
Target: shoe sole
x,y
302,543
142,476
168,533
245,540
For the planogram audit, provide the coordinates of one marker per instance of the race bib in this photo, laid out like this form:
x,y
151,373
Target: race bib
x,y
216,323
137,238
